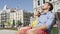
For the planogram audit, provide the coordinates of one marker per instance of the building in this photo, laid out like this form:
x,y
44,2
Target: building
x,y
10,14
4,15
37,4
20,15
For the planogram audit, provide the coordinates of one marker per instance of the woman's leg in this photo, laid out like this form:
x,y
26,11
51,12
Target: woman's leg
x,y
20,32
32,31
23,30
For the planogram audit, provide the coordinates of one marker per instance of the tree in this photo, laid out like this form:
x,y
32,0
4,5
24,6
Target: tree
x,y
2,24
19,23
8,23
13,22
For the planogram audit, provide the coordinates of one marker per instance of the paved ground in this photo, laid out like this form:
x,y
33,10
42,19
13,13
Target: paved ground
x,y
7,32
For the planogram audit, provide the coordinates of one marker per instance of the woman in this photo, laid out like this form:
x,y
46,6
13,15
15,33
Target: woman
x,y
24,30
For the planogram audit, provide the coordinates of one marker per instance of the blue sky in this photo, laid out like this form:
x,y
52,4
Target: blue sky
x,y
22,4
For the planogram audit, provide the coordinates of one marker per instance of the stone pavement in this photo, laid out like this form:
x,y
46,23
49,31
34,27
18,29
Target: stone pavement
x,y
7,32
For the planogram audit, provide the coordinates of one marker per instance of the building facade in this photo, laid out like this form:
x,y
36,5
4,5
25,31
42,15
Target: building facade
x,y
20,15
9,14
4,15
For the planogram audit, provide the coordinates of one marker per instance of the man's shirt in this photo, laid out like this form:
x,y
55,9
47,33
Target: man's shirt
x,y
48,19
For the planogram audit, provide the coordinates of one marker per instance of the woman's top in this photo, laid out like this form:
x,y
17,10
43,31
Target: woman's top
x,y
35,22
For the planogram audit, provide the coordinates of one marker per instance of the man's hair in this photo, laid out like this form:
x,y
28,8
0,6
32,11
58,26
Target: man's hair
x,y
51,6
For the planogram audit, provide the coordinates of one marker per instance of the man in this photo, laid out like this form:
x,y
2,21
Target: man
x,y
46,20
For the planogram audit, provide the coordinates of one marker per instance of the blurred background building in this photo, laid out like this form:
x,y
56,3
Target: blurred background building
x,y
14,14
20,15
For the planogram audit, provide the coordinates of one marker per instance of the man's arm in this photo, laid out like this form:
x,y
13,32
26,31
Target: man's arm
x,y
44,27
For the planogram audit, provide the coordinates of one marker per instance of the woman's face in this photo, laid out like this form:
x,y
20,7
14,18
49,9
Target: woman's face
x,y
36,14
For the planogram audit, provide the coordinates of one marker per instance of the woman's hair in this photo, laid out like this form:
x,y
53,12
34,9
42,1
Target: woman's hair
x,y
39,13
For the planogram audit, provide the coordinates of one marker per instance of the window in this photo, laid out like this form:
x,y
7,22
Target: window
x,y
43,1
38,2
49,0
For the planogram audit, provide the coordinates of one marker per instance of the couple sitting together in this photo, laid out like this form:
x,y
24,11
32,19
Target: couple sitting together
x,y
42,23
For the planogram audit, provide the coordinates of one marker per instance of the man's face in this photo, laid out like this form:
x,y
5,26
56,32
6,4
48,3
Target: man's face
x,y
45,6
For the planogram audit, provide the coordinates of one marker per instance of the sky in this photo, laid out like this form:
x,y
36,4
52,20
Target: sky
x,y
21,4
